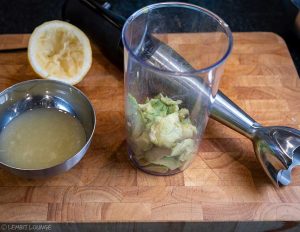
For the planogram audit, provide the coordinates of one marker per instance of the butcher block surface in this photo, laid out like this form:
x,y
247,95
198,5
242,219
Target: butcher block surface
x,y
225,181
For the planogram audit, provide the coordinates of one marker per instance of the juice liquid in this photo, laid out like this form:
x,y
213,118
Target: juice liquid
x,y
41,138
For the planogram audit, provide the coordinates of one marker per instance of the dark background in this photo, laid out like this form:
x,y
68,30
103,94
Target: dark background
x,y
22,16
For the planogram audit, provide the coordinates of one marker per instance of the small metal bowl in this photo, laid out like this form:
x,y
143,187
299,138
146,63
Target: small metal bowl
x,y
47,94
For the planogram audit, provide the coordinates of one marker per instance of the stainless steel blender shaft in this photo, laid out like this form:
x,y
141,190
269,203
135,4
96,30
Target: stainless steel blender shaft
x,y
229,114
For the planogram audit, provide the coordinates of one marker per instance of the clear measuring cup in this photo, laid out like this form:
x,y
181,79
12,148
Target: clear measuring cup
x,y
168,99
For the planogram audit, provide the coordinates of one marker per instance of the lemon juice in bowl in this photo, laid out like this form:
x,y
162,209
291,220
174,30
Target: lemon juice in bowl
x,y
41,138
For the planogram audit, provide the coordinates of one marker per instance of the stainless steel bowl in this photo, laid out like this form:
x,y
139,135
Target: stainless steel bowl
x,y
47,94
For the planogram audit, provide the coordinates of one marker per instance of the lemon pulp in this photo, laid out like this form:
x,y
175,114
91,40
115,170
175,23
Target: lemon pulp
x,y
60,53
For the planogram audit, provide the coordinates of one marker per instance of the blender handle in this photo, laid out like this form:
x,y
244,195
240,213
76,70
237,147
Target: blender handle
x,y
103,9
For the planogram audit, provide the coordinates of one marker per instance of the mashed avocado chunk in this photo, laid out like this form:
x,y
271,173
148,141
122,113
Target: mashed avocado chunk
x,y
161,133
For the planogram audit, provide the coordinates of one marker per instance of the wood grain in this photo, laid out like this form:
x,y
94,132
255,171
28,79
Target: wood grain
x,y
224,182
14,41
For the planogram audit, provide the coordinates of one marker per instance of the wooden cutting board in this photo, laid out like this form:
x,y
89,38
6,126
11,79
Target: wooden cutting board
x,y
225,181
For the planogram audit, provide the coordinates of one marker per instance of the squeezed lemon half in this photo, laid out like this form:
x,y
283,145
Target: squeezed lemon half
x,y
60,51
